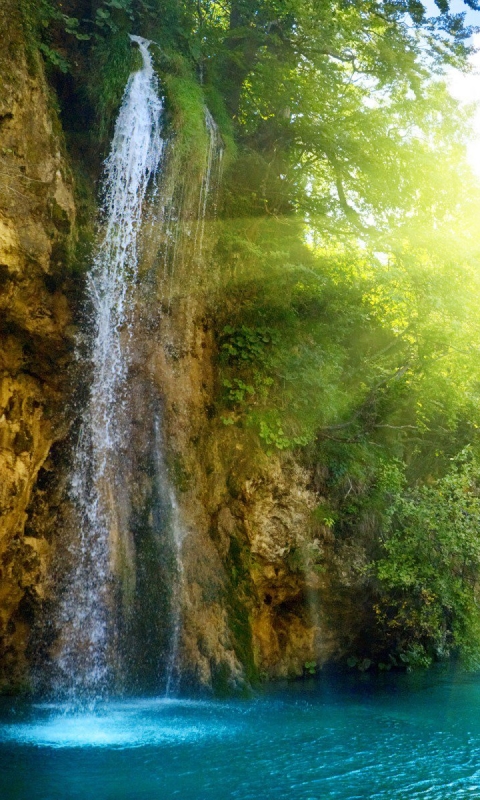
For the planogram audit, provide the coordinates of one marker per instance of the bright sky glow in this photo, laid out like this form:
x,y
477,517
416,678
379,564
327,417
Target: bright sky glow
x,y
466,88
456,7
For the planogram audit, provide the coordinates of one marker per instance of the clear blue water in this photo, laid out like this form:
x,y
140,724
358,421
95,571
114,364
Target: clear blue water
x,y
386,738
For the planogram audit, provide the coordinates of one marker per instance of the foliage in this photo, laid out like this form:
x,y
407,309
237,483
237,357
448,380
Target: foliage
x,y
344,346
430,568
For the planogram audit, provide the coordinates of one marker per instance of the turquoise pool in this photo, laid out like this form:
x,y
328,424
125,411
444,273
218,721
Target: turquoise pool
x,y
389,737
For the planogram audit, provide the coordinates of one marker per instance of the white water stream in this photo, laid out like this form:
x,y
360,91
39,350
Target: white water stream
x,y
85,616
101,591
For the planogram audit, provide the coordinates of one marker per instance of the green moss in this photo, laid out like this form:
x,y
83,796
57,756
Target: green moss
x,y
217,108
83,235
221,680
237,597
178,473
112,61
36,18
188,116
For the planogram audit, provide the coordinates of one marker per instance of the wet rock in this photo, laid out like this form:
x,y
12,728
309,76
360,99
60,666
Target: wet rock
x,y
37,214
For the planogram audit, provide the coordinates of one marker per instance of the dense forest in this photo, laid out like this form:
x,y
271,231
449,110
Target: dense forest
x,y
345,273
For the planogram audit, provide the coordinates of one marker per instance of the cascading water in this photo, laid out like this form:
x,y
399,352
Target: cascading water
x,y
210,180
122,582
177,226
100,554
178,220
177,533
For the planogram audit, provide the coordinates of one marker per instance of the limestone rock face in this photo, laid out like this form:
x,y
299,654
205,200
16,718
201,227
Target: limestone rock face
x,y
181,367
37,215
260,574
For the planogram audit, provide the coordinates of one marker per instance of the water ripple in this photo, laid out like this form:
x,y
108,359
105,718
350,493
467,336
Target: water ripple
x,y
386,742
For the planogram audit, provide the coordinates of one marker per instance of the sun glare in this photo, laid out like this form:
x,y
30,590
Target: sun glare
x,y
466,89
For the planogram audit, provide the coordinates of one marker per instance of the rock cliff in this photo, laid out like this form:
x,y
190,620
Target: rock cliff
x,y
37,215
264,592
260,586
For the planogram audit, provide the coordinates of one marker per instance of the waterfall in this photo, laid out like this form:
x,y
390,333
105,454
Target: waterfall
x,y
210,180
100,555
177,534
187,198
121,581
177,243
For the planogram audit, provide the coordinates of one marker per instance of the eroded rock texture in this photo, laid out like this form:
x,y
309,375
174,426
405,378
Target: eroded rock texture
x,y
36,228
261,594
